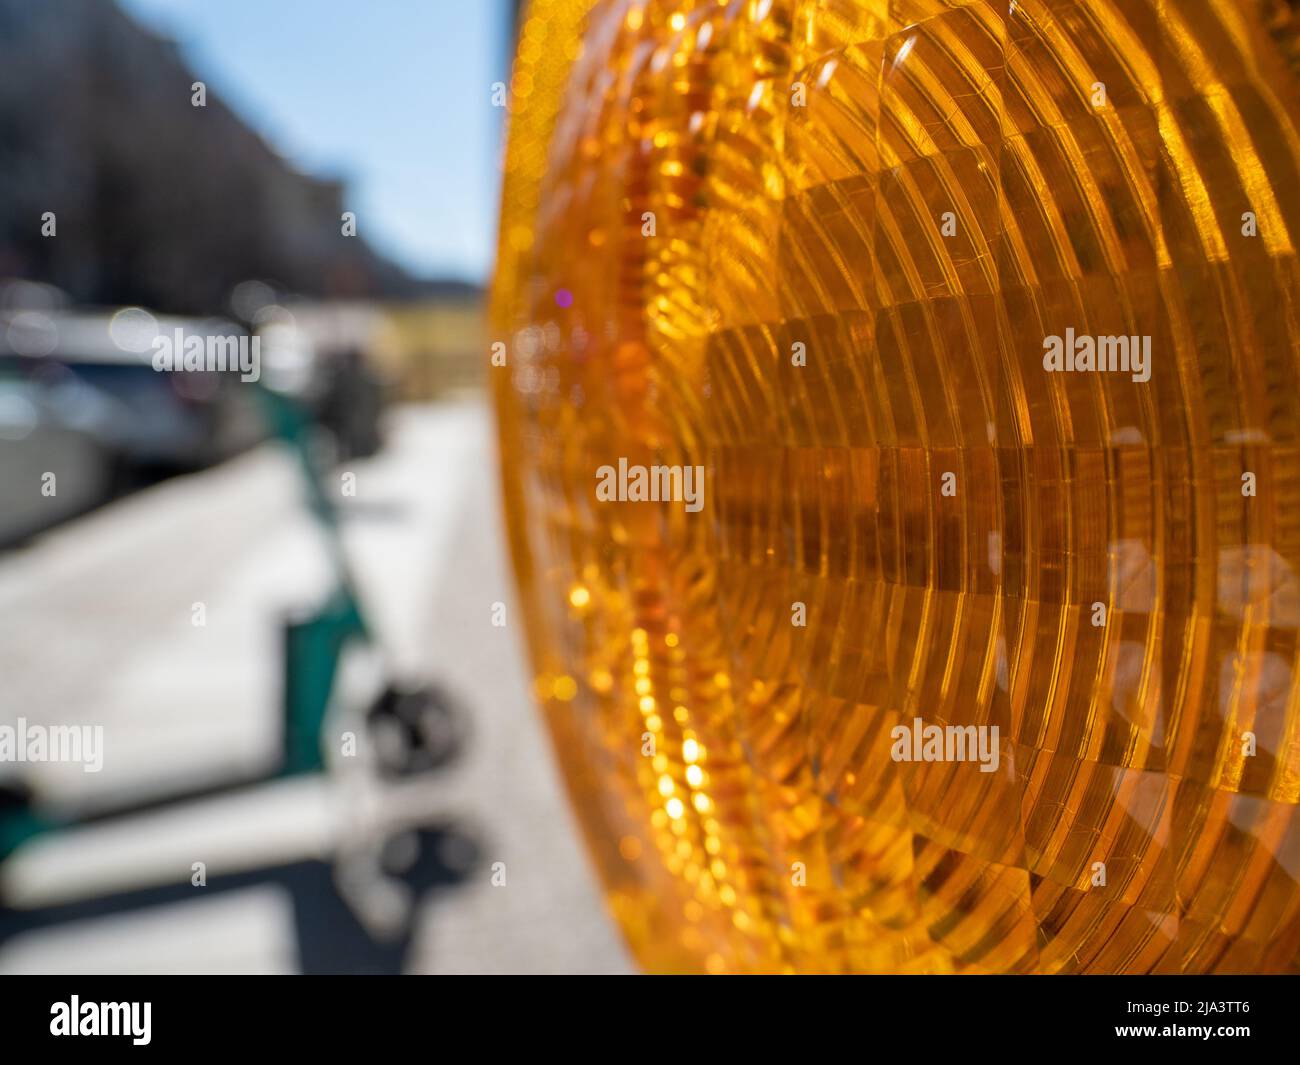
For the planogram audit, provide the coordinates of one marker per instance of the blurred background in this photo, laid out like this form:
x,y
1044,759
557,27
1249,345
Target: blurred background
x,y
285,601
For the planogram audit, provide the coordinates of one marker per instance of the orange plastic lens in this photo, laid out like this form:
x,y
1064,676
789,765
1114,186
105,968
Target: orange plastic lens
x,y
974,330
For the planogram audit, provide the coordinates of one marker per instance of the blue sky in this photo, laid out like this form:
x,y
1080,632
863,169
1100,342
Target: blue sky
x,y
392,96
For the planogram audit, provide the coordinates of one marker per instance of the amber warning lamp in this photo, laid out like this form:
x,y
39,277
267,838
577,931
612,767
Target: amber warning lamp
x,y
900,416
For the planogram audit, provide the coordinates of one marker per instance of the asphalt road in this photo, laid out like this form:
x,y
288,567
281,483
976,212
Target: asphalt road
x,y
96,627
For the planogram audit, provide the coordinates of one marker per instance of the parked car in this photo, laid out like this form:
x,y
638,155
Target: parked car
x,y
52,464
168,420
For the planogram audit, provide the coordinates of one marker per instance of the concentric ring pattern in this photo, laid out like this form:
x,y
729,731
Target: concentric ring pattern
x,y
819,248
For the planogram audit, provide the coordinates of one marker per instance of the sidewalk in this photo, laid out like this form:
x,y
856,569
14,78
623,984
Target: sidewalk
x,y
96,628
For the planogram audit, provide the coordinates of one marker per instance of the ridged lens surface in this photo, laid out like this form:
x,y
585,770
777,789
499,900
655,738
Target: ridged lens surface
x,y
819,249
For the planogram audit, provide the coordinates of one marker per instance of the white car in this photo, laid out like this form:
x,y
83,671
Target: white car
x,y
149,419
51,467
